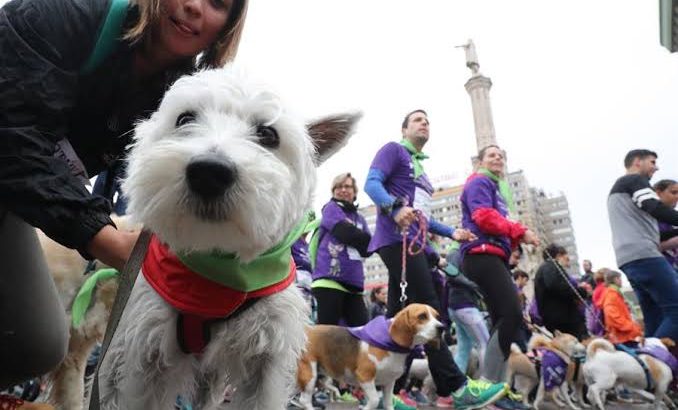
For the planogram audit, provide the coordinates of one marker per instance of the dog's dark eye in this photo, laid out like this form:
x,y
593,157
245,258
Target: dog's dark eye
x,y
422,316
268,136
185,118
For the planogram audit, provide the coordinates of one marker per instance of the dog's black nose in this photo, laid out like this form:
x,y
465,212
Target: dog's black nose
x,y
210,175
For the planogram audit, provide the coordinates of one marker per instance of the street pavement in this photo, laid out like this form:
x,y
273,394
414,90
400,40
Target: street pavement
x,y
547,406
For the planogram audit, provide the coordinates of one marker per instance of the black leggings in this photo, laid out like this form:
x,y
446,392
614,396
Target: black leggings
x,y
334,305
33,326
492,276
420,289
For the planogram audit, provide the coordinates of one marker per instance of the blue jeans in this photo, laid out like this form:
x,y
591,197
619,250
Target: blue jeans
x,y
471,330
654,282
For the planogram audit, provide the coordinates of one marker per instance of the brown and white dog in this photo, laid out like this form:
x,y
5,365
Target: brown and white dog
x,y
523,372
66,382
335,352
606,368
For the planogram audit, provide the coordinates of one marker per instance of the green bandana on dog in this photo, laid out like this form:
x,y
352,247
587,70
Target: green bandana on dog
x,y
226,269
84,297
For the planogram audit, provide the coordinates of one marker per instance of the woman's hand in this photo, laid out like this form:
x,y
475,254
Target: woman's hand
x,y
463,235
405,216
530,238
113,247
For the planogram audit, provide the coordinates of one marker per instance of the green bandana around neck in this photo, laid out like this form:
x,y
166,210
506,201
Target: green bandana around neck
x,y
269,268
417,157
83,299
504,188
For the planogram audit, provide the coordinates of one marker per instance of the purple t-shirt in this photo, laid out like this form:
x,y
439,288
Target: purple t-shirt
x,y
335,260
481,192
394,161
300,255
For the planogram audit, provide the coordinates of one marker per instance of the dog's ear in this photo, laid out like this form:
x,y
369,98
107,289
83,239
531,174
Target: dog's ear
x,y
331,133
401,329
557,333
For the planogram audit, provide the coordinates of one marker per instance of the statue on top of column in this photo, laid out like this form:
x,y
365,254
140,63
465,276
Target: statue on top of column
x,y
471,57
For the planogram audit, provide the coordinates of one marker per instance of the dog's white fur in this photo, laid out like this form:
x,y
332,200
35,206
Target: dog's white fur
x,y
606,368
257,351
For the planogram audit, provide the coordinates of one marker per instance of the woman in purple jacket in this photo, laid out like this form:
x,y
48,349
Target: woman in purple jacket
x,y
338,276
486,202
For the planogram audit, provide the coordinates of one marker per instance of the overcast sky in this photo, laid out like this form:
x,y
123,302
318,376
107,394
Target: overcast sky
x,y
576,85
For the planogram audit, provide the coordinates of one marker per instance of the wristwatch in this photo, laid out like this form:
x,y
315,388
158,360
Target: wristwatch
x,y
388,209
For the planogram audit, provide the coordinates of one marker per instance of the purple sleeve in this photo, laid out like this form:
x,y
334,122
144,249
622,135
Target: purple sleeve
x,y
331,215
479,193
387,158
366,228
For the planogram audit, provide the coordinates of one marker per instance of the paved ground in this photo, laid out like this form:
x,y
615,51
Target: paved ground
x,y
549,406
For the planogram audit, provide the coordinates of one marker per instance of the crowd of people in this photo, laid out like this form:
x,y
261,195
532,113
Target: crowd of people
x,y
47,152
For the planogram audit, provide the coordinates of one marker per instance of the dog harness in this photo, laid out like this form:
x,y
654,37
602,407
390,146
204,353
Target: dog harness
x,y
663,355
211,286
375,333
634,353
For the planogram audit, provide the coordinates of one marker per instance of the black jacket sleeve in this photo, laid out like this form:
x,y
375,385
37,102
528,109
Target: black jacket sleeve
x,y
42,44
556,283
642,194
666,235
351,235
660,212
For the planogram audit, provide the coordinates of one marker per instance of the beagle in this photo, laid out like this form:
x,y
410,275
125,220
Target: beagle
x,y
368,356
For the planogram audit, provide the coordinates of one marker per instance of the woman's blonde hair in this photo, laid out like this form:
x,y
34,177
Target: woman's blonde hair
x,y
339,179
219,53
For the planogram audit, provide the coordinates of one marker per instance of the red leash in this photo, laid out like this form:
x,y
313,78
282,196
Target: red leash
x,y
420,238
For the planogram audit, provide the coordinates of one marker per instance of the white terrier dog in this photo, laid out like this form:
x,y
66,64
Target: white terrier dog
x,y
221,174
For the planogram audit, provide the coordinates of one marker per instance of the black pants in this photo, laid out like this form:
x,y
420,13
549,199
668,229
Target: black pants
x,y
334,305
492,276
446,375
33,326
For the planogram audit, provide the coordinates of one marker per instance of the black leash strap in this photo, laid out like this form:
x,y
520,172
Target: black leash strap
x,y
127,278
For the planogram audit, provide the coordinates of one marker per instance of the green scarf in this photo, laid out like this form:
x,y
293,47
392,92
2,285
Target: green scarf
x,y
84,297
313,226
504,188
417,157
226,269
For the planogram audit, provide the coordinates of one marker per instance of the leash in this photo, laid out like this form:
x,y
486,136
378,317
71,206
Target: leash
x,y
574,290
419,236
127,278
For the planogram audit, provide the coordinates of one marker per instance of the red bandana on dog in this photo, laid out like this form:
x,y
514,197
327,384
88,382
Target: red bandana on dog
x,y
191,293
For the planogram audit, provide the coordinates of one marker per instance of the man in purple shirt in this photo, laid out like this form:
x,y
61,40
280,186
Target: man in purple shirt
x,y
402,192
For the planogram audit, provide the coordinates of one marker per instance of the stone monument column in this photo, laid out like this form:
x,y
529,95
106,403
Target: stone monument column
x,y
478,88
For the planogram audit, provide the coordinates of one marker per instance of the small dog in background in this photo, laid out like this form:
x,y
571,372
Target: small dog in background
x,y
557,368
606,368
66,385
334,351
222,175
